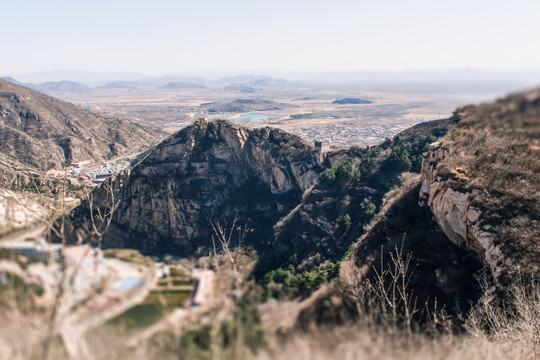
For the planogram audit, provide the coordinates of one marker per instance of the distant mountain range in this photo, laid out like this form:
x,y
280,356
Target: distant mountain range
x,y
60,86
242,83
120,85
485,84
440,80
78,76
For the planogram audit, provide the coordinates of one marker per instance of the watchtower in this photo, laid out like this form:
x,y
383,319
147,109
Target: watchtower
x,y
321,147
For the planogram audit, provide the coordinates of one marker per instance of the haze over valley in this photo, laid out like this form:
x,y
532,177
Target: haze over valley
x,y
382,105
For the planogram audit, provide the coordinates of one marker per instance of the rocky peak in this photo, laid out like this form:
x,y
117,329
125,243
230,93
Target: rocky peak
x,y
208,172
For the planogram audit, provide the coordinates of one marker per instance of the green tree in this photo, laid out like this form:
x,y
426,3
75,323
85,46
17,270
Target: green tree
x,y
369,213
346,223
328,176
345,170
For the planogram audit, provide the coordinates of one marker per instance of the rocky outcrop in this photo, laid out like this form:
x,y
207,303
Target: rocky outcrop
x,y
207,173
463,223
18,210
14,174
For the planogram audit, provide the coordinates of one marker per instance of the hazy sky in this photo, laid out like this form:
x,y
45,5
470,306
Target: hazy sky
x,y
173,36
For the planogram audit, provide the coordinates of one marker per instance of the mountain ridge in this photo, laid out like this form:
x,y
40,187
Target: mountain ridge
x,y
45,132
210,171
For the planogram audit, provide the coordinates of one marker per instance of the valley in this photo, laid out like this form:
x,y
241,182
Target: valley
x,y
307,110
212,234
270,180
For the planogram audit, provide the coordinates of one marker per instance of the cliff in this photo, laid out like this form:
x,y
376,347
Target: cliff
x,y
457,217
18,210
481,183
208,173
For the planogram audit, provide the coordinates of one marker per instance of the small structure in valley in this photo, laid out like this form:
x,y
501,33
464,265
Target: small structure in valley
x,y
40,249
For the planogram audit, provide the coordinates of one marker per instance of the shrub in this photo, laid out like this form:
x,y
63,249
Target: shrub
x,y
229,339
346,223
328,176
369,213
345,171
287,283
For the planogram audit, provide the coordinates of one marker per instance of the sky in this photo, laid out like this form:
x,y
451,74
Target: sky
x,y
177,36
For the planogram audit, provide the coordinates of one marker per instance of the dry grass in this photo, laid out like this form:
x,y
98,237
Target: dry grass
x,y
513,324
495,148
493,332
496,145
509,330
357,342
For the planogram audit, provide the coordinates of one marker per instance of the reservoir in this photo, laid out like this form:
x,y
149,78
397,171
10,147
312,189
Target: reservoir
x,y
254,117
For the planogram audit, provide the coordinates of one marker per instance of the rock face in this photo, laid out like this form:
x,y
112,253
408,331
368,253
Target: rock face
x,y
14,174
481,183
207,173
455,214
18,210
44,132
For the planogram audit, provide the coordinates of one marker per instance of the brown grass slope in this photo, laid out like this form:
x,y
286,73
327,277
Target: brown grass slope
x,y
43,131
495,149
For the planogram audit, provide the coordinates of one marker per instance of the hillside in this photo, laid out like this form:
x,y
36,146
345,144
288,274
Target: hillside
x,y
414,244
352,101
304,211
59,87
45,132
18,210
14,174
269,179
481,182
475,204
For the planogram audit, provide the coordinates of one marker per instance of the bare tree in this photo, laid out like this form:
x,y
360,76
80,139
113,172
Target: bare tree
x,y
224,236
57,227
391,285
101,217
